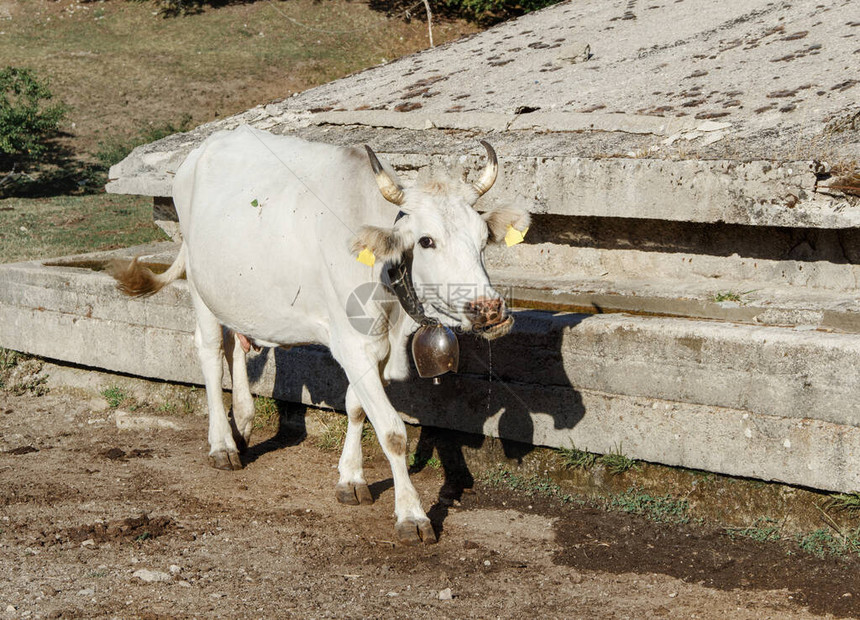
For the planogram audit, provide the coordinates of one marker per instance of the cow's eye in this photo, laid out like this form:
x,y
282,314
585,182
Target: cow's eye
x,y
427,243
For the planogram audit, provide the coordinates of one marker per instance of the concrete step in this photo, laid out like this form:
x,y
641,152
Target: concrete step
x,y
753,400
737,301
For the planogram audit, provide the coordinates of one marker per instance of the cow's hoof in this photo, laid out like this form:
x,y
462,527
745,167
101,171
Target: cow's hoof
x,y
353,494
225,460
414,531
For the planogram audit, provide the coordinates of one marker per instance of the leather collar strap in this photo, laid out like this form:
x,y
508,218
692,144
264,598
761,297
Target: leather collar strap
x,y
400,276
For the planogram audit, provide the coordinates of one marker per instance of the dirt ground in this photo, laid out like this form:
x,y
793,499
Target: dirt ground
x,y
100,521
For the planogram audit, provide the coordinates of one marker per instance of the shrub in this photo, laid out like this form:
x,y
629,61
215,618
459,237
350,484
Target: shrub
x,y
27,119
488,12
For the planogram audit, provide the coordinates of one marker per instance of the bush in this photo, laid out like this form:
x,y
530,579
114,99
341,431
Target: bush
x,y
27,120
181,8
488,12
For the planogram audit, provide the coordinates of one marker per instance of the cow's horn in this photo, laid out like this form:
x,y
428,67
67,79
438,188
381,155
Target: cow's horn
x,y
391,191
490,171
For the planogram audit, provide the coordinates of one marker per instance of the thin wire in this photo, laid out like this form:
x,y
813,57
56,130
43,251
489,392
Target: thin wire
x,y
500,381
322,202
339,32
299,179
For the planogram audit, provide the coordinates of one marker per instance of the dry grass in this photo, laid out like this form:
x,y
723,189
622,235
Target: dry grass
x,y
126,73
121,68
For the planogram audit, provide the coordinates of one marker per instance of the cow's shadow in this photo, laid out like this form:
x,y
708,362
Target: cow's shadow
x,y
508,384
505,386
291,431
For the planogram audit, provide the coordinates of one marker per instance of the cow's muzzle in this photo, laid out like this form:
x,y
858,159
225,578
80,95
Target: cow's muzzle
x,y
490,317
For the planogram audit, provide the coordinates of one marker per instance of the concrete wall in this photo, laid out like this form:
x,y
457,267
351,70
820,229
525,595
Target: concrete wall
x,y
748,400
694,188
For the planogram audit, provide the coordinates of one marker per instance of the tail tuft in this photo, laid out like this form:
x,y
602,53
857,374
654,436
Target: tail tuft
x,y
134,279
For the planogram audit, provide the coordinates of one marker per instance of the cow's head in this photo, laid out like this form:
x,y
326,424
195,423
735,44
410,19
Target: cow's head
x,y
444,236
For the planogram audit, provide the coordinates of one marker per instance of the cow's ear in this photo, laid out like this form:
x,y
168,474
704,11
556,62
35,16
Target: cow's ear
x,y
501,219
385,243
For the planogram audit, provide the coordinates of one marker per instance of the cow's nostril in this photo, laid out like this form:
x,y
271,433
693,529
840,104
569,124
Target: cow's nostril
x,y
486,311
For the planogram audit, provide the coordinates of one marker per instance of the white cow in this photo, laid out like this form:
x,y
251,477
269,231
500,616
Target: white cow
x,y
271,228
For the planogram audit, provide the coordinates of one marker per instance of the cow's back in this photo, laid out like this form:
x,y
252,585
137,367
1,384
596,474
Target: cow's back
x,y
267,220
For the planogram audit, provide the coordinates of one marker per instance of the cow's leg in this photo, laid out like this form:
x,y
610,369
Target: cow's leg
x,y
223,453
352,487
412,525
243,401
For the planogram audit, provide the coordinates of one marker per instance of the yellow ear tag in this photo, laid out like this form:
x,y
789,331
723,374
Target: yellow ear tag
x,y
366,257
515,236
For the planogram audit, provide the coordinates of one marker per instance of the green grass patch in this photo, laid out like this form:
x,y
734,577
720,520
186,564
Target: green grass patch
x,y
167,408
722,296
615,461
63,225
21,374
659,508
334,433
763,529
187,405
9,359
733,296
418,461
574,458
115,396
502,477
849,502
266,412
824,542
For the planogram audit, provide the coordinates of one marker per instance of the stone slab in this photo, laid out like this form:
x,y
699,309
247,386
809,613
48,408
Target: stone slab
x,y
715,119
758,193
777,72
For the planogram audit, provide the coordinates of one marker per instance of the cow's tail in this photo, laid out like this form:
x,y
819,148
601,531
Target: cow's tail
x,y
137,280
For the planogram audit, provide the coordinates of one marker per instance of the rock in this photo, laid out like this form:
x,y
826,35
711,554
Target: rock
x,y
445,595
573,53
128,422
174,569
671,139
712,138
98,404
151,576
713,126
